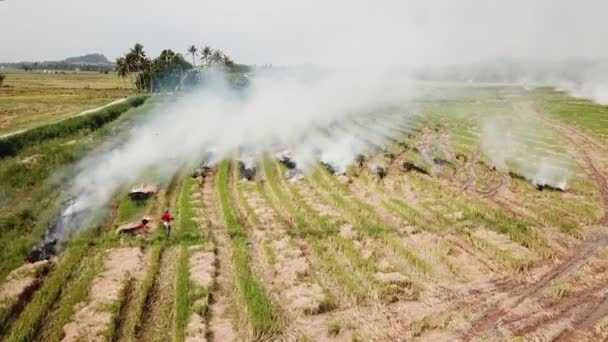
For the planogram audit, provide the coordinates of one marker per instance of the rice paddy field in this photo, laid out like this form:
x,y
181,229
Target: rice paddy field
x,y
29,99
487,221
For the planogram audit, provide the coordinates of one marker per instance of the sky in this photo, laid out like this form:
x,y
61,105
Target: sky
x,y
284,32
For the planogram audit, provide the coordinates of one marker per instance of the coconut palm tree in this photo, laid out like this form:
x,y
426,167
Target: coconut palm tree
x,y
206,54
137,57
192,50
228,62
216,56
123,67
136,61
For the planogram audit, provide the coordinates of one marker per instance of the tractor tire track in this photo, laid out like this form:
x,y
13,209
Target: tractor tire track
x,y
577,258
589,162
470,166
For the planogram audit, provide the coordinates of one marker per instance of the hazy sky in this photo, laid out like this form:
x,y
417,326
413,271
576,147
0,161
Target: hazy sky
x,y
312,31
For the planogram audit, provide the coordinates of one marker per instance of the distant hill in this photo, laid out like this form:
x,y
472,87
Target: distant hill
x,y
88,62
89,59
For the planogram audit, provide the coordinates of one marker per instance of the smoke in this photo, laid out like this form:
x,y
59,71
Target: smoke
x,y
585,80
273,112
550,171
319,115
506,141
498,142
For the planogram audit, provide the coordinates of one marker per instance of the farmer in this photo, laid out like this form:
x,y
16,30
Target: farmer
x,y
167,218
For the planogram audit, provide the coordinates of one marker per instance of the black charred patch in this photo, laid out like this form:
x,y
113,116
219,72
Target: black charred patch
x,y
328,168
379,171
360,159
411,167
247,173
288,162
462,157
201,171
45,250
389,155
547,187
517,176
442,162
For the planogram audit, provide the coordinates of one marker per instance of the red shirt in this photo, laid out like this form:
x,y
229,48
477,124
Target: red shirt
x,y
167,217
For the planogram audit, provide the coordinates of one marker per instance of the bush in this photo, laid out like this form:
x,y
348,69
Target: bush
x,y
11,145
2,78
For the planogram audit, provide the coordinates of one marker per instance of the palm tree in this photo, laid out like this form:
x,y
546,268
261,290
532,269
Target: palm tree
x,y
123,67
136,60
217,56
206,54
138,56
192,50
228,62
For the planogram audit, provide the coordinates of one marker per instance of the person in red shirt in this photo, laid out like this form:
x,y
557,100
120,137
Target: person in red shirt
x,y
167,218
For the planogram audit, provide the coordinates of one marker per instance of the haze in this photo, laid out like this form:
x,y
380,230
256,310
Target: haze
x,y
318,32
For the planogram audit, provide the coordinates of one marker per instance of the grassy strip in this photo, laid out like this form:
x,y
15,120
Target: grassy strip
x,y
363,214
31,318
11,145
129,210
189,231
505,257
133,320
117,310
317,231
365,219
21,227
188,234
517,229
10,307
182,295
250,216
259,309
408,213
294,217
75,292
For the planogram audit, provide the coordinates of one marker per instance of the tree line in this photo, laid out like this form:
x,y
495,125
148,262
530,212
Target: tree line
x,y
170,71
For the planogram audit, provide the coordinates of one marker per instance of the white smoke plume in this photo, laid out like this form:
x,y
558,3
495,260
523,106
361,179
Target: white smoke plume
x,y
504,142
272,112
590,81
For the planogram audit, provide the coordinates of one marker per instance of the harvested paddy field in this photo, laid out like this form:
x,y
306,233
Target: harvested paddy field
x,y
477,214
31,99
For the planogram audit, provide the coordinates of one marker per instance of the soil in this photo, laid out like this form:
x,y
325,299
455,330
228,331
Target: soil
x,y
93,318
20,280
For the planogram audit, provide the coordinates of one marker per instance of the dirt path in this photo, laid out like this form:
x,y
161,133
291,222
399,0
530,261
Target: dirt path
x,y
585,326
220,324
425,148
470,167
589,159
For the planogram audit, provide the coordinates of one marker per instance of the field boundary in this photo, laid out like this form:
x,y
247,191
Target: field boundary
x,y
13,143
84,112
